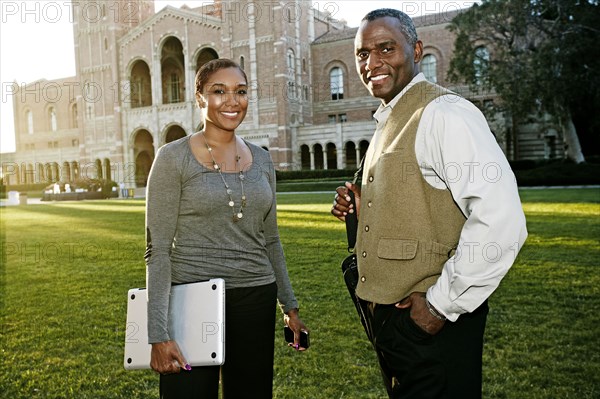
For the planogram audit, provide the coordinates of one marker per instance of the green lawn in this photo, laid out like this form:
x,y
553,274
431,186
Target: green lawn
x,y
66,269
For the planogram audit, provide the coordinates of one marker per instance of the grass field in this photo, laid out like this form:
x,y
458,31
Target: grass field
x,y
66,269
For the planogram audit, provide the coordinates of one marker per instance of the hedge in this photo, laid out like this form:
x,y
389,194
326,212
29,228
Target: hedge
x,y
527,172
560,174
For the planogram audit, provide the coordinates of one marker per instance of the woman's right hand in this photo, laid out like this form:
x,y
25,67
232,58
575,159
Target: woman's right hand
x,y
166,358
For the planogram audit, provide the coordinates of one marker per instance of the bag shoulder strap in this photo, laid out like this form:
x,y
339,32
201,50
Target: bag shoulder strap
x,y
351,218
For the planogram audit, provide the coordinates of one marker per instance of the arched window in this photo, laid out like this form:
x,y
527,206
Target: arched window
x,y
481,64
52,119
429,65
174,87
173,71
29,119
291,64
140,85
204,56
74,115
336,82
291,91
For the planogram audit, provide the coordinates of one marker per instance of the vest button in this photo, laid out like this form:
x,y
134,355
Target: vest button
x,y
363,279
366,228
364,254
370,178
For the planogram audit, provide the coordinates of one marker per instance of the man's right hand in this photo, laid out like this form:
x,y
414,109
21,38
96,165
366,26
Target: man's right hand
x,y
166,358
341,202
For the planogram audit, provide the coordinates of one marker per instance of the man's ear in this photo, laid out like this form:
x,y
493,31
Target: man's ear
x,y
418,51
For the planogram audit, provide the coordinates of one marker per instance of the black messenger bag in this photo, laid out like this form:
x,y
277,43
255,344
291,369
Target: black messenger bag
x,y
350,264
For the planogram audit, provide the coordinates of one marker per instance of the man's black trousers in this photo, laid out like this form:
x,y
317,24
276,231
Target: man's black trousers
x,y
417,365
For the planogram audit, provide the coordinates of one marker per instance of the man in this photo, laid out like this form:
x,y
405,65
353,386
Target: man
x,y
439,219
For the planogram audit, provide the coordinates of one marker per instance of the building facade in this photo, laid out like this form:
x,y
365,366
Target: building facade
x,y
134,89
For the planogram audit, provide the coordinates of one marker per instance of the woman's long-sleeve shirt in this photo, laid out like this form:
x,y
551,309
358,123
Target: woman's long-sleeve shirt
x,y
191,235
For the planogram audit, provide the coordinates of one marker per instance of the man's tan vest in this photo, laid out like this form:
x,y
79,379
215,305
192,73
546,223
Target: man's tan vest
x,y
407,228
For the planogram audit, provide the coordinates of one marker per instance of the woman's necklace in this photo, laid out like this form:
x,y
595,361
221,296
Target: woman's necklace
x,y
240,213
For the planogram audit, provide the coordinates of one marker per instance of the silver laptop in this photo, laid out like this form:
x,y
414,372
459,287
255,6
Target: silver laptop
x,y
196,323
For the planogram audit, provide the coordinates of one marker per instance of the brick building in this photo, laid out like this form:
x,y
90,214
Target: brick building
x,y
134,89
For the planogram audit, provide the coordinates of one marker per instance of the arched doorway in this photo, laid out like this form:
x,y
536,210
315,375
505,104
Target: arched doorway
x,y
107,169
363,146
143,163
143,149
350,151
331,156
318,152
66,172
304,157
175,132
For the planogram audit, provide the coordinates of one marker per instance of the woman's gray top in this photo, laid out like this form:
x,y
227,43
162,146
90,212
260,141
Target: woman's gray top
x,y
191,235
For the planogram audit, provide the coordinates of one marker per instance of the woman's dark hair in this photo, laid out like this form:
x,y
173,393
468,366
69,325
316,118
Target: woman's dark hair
x,y
213,66
407,26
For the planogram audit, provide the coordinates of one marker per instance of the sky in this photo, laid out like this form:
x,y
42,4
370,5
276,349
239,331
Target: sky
x,y
36,40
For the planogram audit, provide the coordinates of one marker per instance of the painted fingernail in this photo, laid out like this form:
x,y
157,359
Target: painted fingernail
x,y
296,346
188,367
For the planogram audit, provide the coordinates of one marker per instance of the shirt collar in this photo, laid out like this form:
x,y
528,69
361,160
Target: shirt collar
x,y
384,110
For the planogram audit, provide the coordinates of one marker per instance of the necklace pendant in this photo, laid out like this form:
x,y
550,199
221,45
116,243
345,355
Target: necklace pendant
x,y
240,215
235,218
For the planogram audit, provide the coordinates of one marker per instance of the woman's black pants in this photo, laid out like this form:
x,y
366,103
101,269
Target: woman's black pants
x,y
249,349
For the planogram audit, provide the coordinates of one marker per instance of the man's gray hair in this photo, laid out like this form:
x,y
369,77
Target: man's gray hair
x,y
407,26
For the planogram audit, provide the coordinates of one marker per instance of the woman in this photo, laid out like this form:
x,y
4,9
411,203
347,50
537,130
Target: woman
x,y
210,213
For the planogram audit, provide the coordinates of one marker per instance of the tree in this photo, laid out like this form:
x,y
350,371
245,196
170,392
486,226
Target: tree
x,y
544,57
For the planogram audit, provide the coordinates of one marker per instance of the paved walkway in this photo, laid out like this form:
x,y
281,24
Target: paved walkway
x,y
35,201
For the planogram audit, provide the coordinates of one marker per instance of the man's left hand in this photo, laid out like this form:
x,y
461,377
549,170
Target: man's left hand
x,y
417,302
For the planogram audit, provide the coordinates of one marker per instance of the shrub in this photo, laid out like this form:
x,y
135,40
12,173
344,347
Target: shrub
x,y
561,173
283,175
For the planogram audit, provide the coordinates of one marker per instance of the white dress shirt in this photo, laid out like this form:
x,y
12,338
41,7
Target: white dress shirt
x,y
457,151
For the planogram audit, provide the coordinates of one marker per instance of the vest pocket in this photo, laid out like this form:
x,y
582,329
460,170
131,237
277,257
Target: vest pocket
x,y
396,248
408,249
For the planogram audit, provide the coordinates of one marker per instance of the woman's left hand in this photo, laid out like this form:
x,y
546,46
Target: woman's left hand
x,y
297,326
